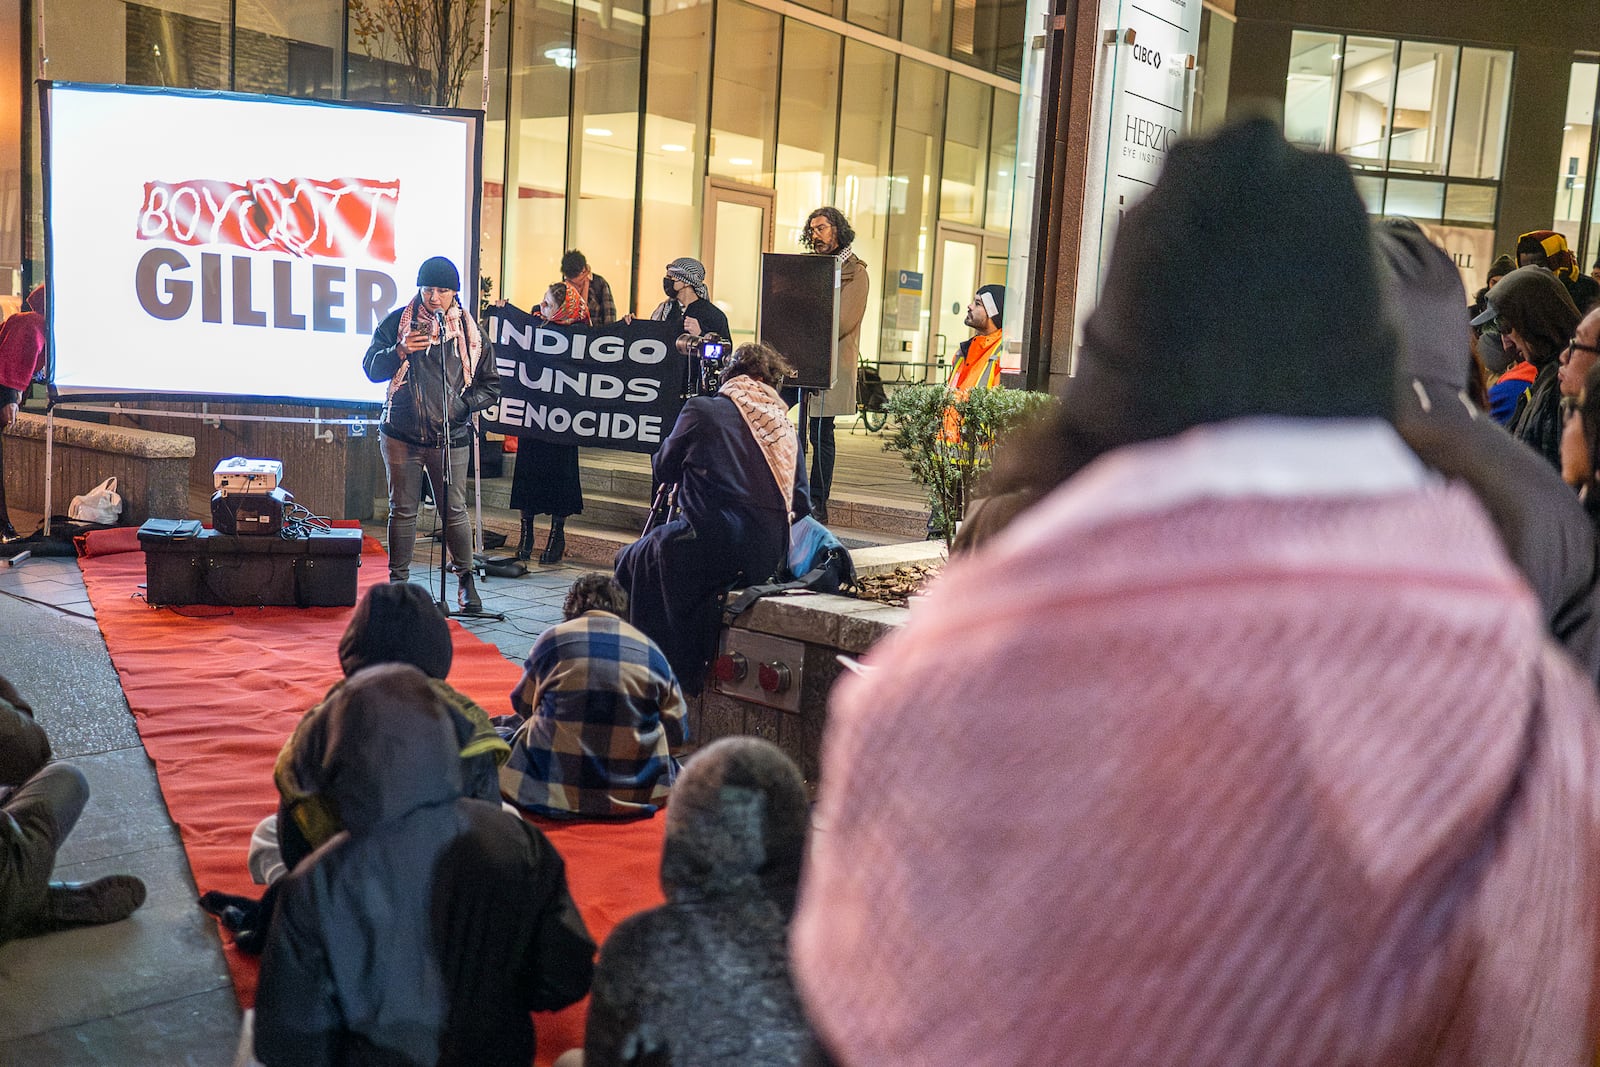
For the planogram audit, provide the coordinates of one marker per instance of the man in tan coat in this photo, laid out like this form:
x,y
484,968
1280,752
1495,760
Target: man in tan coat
x,y
828,233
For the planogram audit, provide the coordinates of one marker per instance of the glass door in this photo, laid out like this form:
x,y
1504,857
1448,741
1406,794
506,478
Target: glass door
x,y
959,265
737,229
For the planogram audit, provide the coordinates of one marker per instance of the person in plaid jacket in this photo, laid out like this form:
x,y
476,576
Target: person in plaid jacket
x,y
599,714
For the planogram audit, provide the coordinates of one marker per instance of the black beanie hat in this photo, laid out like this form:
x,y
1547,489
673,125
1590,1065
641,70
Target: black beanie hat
x,y
997,299
1244,284
397,623
437,272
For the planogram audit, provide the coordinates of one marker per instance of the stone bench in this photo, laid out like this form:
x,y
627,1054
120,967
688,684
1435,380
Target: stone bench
x,y
152,469
809,631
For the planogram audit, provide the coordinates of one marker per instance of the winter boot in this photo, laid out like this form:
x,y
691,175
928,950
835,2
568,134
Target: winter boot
x,y
467,594
525,537
556,545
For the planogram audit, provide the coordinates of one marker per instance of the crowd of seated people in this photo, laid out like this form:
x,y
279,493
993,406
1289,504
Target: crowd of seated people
x,y
1273,736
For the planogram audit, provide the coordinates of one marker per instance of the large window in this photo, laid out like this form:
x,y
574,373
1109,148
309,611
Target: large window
x,y
1422,124
672,178
1577,213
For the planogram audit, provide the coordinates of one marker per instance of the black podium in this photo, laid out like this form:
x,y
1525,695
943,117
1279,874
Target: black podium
x,y
212,568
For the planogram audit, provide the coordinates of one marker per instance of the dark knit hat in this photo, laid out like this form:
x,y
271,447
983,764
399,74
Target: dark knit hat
x,y
437,272
995,304
1244,284
1502,265
397,623
736,825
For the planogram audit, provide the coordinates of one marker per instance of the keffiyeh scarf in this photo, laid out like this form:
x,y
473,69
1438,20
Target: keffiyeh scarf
x,y
764,413
469,351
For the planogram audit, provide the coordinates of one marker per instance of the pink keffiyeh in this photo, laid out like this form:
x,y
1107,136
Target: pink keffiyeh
x,y
763,411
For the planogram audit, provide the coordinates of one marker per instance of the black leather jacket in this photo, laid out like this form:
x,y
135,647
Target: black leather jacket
x,y
413,414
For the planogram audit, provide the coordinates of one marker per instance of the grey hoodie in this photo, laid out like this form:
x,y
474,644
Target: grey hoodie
x,y
426,931
704,979
1545,530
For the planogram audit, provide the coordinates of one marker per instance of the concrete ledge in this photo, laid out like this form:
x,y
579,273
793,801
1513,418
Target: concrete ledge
x,y
881,559
152,469
98,437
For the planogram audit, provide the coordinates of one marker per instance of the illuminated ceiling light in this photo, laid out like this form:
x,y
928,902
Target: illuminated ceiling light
x,y
595,131
673,148
740,161
1003,173
562,56
1338,56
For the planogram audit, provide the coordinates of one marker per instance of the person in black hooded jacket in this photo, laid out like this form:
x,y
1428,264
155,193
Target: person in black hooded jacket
x,y
428,929
1536,317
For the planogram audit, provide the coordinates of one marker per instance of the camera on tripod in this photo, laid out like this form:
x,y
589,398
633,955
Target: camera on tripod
x,y
709,352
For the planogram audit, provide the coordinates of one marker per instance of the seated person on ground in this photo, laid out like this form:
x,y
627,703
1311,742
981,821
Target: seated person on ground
x,y
599,714
428,929
704,978
394,623
40,803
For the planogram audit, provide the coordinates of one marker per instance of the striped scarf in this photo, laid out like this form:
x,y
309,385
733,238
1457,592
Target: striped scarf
x,y
453,331
764,413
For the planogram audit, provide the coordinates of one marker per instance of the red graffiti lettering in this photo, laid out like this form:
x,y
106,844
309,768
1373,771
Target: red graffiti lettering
x,y
340,218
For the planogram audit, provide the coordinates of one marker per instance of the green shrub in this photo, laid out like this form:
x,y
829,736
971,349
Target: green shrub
x,y
948,470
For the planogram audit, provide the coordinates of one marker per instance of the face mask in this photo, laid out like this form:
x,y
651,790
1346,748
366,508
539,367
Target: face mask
x,y
670,286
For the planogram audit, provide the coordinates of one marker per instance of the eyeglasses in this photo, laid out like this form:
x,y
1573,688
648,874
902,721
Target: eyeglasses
x,y
1575,345
428,290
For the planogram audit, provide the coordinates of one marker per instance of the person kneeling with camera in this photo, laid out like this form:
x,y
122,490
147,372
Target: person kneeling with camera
x,y
735,461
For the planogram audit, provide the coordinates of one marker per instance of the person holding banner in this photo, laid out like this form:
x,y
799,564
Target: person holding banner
x,y
688,304
735,461
440,370
546,479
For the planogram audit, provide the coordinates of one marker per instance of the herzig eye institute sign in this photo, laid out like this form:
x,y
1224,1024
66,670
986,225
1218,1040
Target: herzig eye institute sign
x,y
1143,102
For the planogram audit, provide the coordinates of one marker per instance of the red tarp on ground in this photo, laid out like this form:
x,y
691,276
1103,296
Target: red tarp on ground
x,y
215,692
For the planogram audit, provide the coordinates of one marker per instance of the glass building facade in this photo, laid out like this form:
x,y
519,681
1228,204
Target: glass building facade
x,y
1422,124
643,130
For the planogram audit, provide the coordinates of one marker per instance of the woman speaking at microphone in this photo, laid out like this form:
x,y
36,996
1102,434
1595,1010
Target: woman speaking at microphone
x,y
735,461
440,369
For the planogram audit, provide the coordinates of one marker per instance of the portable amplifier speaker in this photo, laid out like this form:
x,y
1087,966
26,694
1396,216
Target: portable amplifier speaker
x,y
800,314
250,514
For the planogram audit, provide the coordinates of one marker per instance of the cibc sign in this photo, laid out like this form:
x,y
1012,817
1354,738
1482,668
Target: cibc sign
x,y
1143,103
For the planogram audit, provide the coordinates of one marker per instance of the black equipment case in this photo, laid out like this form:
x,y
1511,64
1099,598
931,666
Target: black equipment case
x,y
213,568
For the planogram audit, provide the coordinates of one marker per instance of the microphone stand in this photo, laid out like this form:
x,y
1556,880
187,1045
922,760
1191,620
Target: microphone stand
x,y
441,501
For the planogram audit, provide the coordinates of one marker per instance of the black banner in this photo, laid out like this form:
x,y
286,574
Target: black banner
x,y
617,386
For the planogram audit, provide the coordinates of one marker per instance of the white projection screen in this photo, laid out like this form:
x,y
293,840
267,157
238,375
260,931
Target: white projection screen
x,y
203,245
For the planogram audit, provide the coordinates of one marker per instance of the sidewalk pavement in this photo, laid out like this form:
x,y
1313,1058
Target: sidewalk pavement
x,y
152,991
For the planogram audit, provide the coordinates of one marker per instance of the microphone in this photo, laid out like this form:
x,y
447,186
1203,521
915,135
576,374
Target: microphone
x,y
438,319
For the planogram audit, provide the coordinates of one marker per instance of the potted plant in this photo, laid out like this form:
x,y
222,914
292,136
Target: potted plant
x,y
948,439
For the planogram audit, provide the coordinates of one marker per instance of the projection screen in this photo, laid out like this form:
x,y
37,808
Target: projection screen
x,y
216,245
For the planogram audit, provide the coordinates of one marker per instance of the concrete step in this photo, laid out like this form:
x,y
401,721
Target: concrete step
x,y
593,539
620,498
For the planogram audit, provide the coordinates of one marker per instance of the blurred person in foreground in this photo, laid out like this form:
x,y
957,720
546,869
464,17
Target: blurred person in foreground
x,y
735,461
1544,530
704,979
428,929
1322,789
